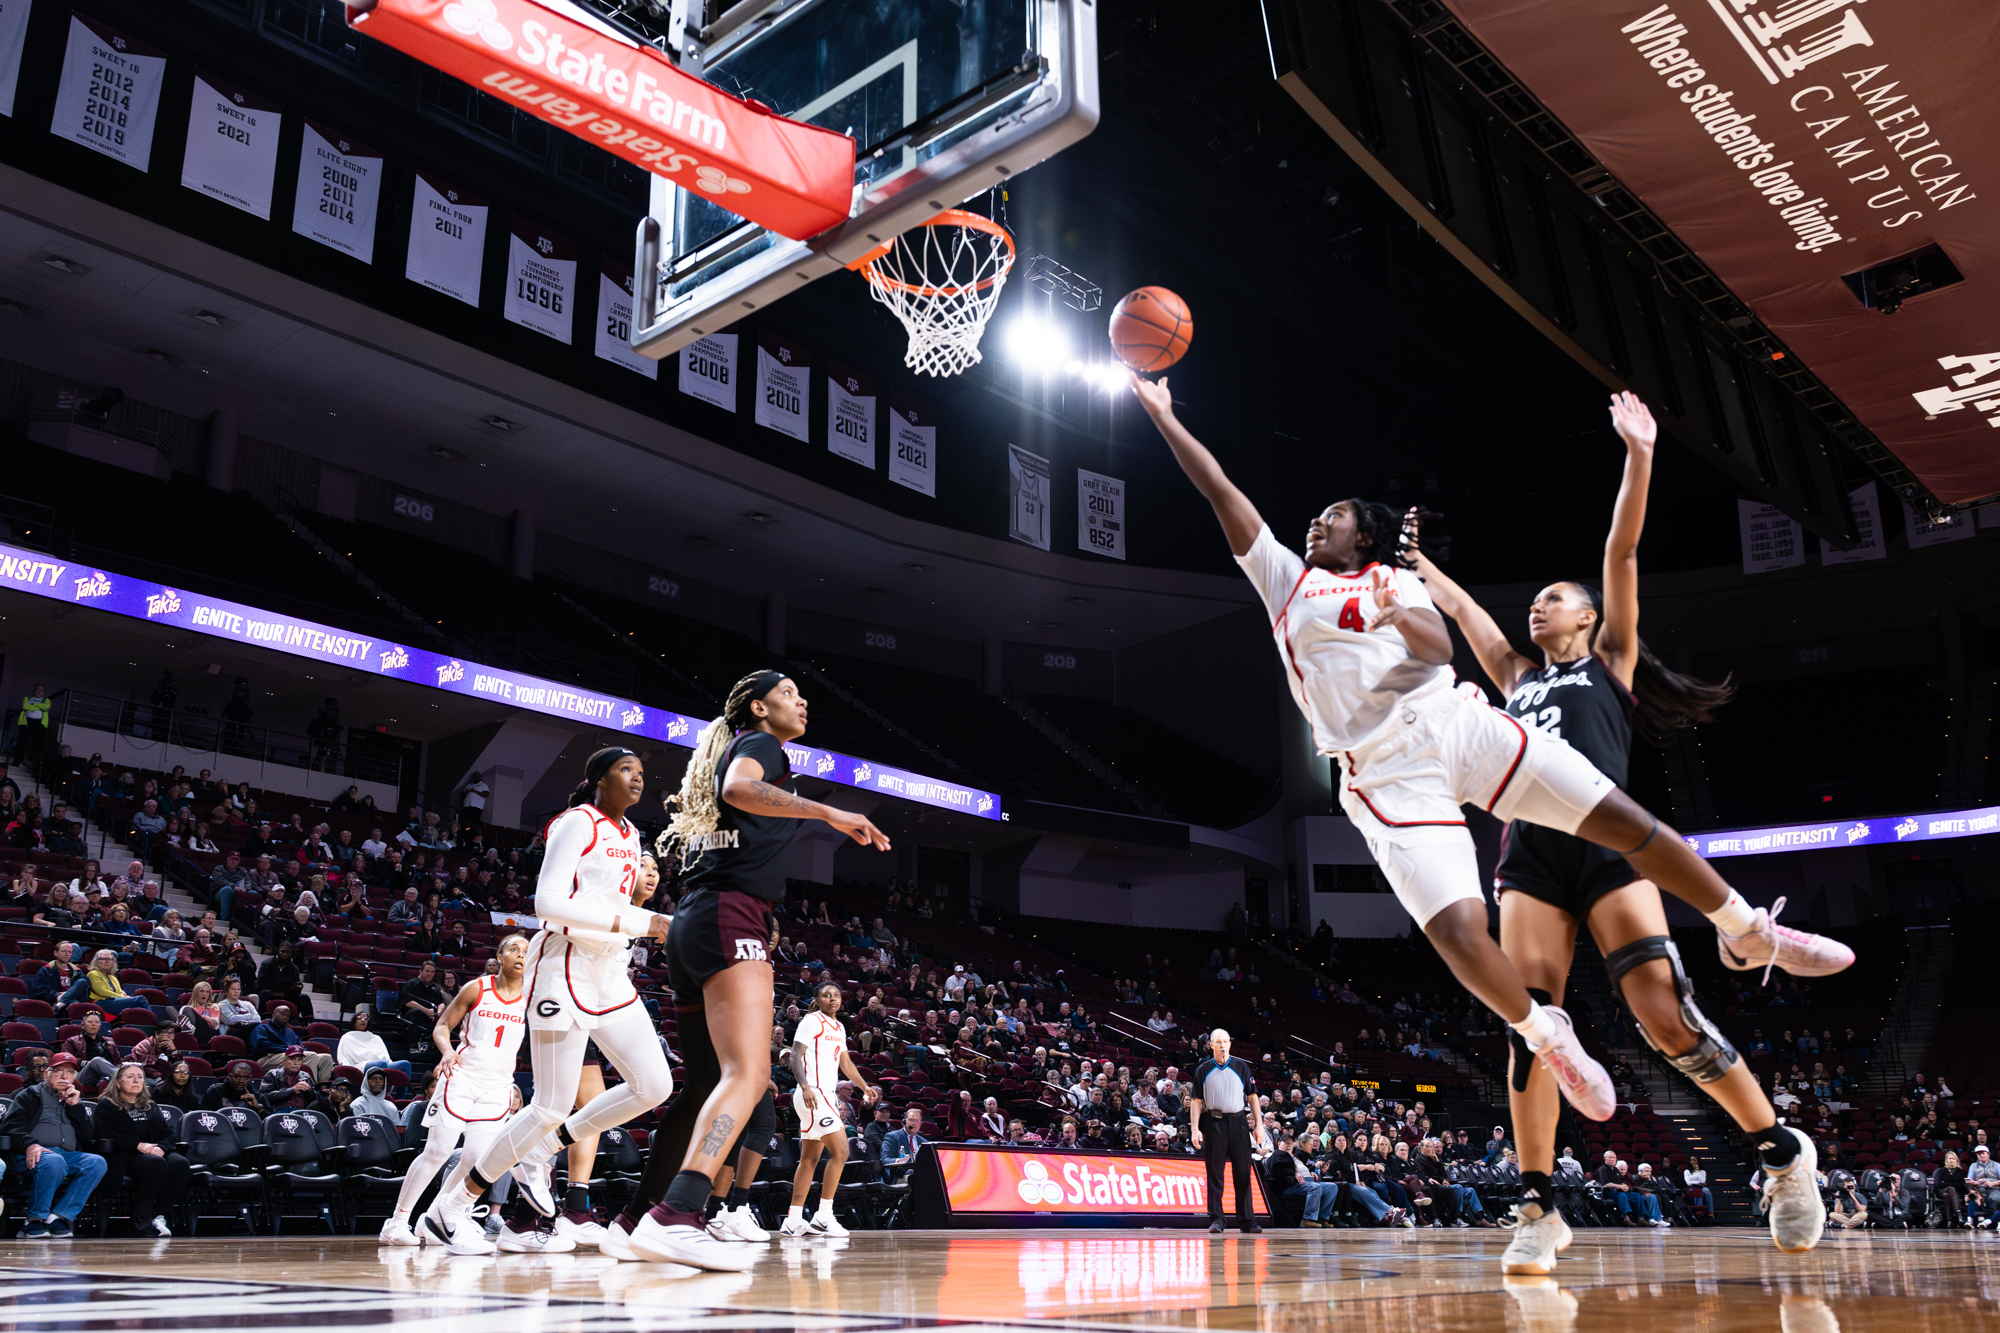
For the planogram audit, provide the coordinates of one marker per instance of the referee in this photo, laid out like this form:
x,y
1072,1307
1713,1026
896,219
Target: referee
x,y
1220,1126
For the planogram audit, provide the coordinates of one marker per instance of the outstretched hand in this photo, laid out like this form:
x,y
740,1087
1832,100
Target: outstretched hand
x,y
1389,608
1633,421
1152,394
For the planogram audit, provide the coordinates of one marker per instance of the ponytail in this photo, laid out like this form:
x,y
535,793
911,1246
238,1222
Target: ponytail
x,y
1663,700
696,810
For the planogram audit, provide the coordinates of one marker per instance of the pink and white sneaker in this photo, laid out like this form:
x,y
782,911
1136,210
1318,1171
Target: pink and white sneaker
x,y
1583,1081
1768,944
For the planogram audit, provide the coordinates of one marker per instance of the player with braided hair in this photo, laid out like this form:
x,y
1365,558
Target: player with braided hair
x,y
1368,657
737,813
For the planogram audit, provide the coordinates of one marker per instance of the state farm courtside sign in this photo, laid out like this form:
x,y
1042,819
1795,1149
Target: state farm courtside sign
x,y
1030,1180
1790,143
630,100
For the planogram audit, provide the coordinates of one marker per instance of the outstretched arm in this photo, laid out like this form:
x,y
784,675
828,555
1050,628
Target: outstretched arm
x,y
1240,520
1618,640
745,788
1497,658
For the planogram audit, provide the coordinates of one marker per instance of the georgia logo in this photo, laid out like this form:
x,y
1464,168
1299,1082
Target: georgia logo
x,y
548,1009
478,18
717,181
1038,1189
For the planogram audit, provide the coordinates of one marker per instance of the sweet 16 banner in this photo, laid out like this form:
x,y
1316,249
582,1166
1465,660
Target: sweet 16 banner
x,y
110,92
629,100
81,585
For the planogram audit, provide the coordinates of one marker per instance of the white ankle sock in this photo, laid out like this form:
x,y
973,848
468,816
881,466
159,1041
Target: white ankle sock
x,y
795,1213
1734,917
825,1208
1538,1028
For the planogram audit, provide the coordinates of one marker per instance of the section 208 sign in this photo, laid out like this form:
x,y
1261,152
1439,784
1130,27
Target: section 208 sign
x,y
63,581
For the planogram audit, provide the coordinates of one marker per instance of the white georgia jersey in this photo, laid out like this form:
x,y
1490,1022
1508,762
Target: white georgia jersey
x,y
1345,679
490,1035
588,873
825,1041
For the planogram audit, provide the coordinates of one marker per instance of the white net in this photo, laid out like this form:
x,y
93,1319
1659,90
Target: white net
x,y
943,280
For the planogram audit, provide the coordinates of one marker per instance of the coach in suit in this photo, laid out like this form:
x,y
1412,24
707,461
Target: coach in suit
x,y
1221,1127
899,1146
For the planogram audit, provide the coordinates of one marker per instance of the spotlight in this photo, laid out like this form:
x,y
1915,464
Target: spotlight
x,y
1038,343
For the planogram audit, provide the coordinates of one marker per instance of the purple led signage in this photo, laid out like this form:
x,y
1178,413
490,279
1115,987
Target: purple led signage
x,y
1847,833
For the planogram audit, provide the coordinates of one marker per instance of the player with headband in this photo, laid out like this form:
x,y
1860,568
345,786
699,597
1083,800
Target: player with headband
x,y
1367,657
579,990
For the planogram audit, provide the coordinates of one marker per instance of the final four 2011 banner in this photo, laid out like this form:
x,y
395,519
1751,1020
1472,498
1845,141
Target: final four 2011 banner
x,y
1847,833
81,585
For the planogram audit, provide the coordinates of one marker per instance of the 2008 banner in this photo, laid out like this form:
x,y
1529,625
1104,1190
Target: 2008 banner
x,y
63,581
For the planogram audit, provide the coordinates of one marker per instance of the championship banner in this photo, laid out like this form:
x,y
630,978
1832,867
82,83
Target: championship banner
x,y
447,239
13,40
1887,829
541,279
784,385
232,145
912,445
340,188
40,575
1028,493
850,414
1867,522
1004,1185
1771,539
1794,145
110,91
1100,514
614,320
708,370
1957,528
630,100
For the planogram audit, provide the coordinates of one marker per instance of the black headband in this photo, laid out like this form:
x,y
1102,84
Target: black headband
x,y
758,686
601,762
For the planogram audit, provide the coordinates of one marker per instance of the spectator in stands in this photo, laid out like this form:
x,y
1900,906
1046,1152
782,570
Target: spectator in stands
x,y
100,986
50,1117
58,976
289,1081
363,1049
280,978
177,1088
168,937
1850,1209
899,1146
139,1150
96,1054
1645,1184
235,1089
336,1100
156,1054
237,1016
1982,1184
274,1039
406,910
1695,1177
419,1000
991,1125
148,826
1469,1209
225,880
1948,1187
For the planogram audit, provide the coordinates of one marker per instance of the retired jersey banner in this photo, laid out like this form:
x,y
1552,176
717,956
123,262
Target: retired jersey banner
x,y
340,190
541,280
1868,523
110,92
447,239
1028,493
708,370
1771,539
232,145
784,385
13,40
1957,528
1793,145
850,414
614,320
631,101
912,444
1100,514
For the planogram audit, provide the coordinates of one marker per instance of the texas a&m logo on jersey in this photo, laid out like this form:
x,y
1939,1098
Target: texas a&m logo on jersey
x,y
749,951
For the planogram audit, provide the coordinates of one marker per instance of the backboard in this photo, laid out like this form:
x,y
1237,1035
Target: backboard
x,y
944,99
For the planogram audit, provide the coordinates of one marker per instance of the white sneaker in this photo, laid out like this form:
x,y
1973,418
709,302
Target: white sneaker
x,y
160,1228
465,1234
531,1177
615,1243
1583,1082
1537,1241
825,1224
690,1245
795,1226
1792,1201
1767,944
588,1233
536,1241
396,1231
743,1225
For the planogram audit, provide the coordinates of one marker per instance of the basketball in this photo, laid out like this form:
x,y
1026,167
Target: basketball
x,y
1151,329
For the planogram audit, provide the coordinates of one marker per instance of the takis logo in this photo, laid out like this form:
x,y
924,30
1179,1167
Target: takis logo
x,y
450,672
1965,388
96,585
1857,833
478,18
677,728
1694,844
985,804
632,717
863,773
824,764
1906,828
1037,1188
162,603
395,658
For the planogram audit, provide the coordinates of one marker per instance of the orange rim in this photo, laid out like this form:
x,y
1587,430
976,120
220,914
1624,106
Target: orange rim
x,y
951,217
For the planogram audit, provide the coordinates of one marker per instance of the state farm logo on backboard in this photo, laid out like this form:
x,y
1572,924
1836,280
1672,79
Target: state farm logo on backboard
x,y
1965,389
1036,1189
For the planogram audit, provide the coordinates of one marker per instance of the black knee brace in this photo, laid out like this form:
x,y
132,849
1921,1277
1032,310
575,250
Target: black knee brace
x,y
1712,1056
757,1130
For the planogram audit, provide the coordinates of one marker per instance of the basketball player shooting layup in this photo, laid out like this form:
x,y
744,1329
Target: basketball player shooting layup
x,y
1596,682
1366,655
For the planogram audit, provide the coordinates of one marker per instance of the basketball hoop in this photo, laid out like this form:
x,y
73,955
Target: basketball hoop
x,y
942,280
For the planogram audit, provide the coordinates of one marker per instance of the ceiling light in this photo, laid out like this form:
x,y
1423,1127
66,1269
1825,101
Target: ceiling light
x,y
13,306
1038,343
160,355
209,317
759,516
1081,600
916,567
61,265
445,452
502,424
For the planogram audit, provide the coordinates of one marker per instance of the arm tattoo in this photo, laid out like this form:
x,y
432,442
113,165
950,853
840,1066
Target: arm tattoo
x,y
717,1138
781,802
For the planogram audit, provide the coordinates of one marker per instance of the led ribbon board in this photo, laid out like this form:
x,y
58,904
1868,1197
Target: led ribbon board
x,y
44,576
1847,833
1008,1181
630,100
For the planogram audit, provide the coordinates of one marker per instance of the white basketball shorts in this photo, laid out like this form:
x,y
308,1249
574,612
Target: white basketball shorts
x,y
572,984
1403,791
816,1124
468,1101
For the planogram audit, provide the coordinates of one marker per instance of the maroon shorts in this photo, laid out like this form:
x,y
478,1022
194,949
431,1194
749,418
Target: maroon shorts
x,y
712,931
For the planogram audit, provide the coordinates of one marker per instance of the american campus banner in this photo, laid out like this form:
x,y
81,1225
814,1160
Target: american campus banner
x,y
82,585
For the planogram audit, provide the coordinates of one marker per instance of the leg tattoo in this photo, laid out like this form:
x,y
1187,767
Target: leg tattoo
x,y
717,1138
